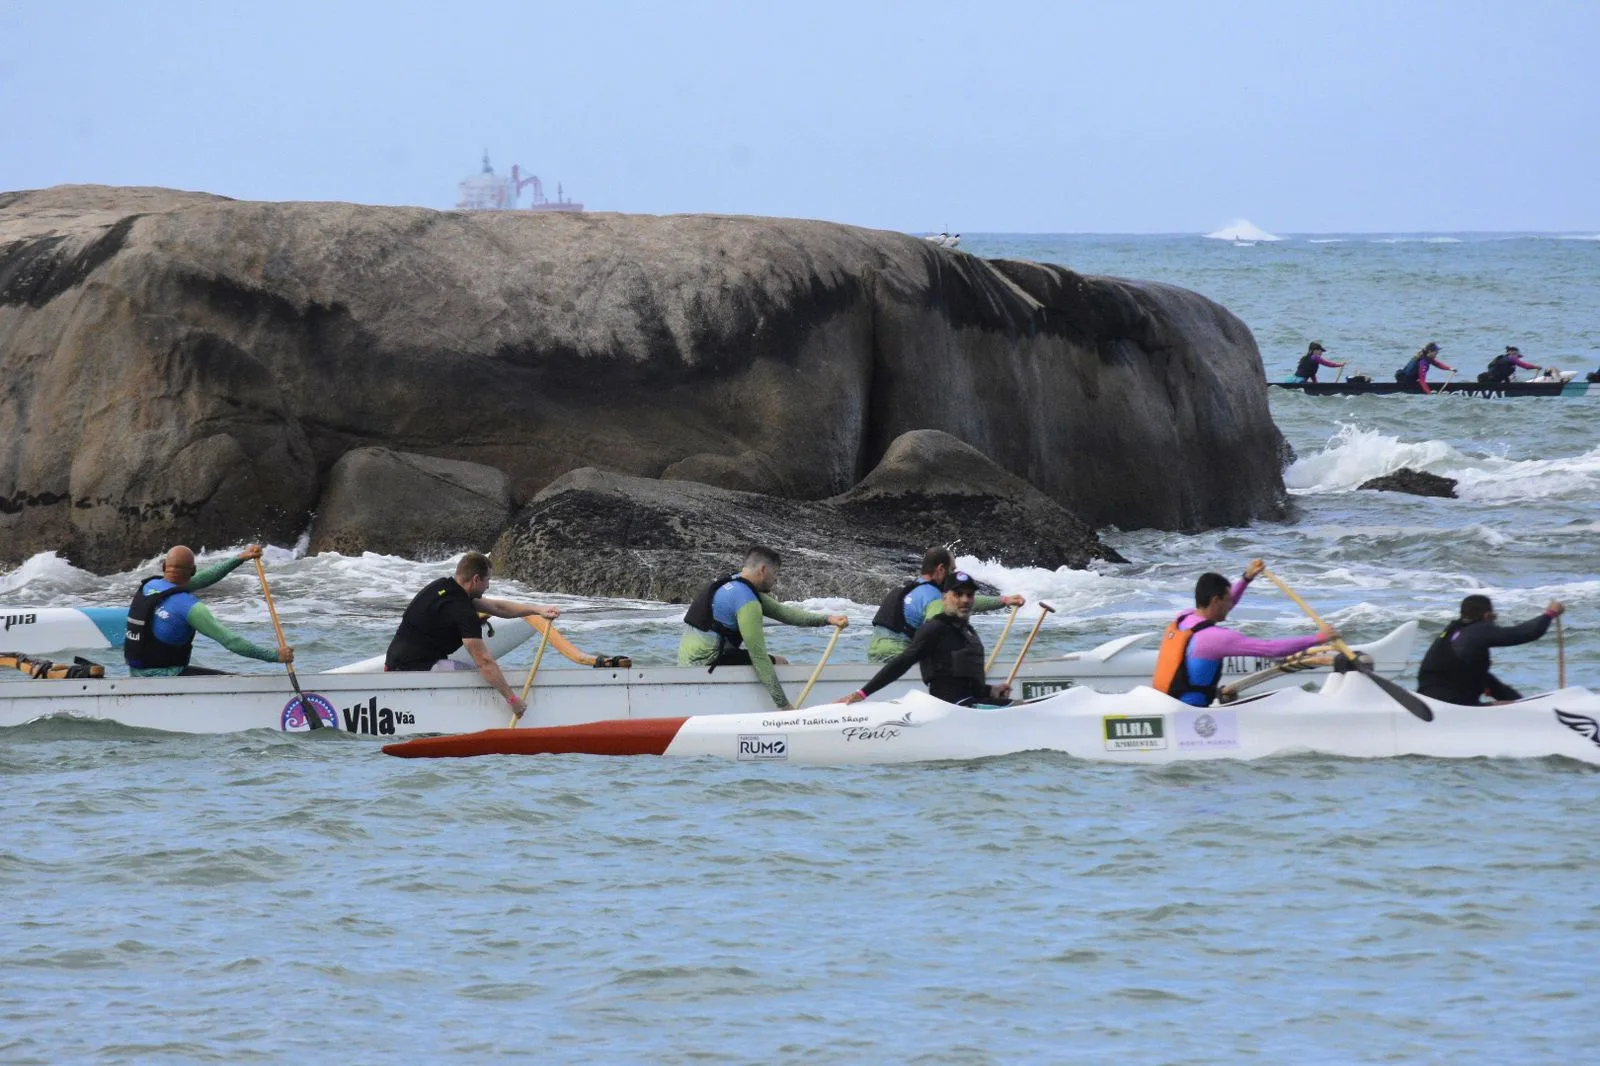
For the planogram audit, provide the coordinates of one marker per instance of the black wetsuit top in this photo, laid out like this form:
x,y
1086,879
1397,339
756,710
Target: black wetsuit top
x,y
1456,668
436,621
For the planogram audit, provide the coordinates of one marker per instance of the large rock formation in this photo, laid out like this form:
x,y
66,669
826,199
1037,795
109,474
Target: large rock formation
x,y
176,366
403,504
592,533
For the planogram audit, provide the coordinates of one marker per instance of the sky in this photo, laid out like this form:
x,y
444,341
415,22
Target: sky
x,y
1138,116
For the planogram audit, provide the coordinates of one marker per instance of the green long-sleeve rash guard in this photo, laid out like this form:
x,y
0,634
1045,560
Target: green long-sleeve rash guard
x,y
700,649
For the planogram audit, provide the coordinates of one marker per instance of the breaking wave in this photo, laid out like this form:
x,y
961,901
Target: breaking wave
x,y
1242,230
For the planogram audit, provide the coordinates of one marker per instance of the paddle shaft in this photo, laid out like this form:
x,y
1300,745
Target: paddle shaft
x,y
1409,700
1440,391
1561,656
1004,633
544,642
801,702
313,719
1337,642
1044,609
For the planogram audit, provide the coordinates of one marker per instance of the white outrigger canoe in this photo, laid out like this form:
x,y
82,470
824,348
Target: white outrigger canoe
x,y
1350,716
403,704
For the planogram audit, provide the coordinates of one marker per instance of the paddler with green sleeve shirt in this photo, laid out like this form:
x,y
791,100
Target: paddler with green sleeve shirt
x,y
165,616
723,626
903,611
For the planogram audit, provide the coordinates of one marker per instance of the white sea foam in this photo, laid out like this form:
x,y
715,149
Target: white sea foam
x,y
1578,237
1355,455
1417,240
1242,230
1328,240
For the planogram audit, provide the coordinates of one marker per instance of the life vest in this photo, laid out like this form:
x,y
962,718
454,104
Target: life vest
x,y
140,648
892,611
955,671
1172,664
701,617
1500,369
1407,375
1307,367
1445,675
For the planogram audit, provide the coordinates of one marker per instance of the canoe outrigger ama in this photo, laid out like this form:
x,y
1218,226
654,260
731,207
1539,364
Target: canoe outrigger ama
x,y
356,700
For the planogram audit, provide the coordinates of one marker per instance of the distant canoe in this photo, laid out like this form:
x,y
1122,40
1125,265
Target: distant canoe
x,y
1563,389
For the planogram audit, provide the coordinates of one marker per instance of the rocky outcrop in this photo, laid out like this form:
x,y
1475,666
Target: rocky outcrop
x,y
1416,482
592,533
397,503
177,366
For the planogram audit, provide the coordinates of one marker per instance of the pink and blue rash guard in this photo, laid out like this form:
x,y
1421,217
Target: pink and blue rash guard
x,y
1207,648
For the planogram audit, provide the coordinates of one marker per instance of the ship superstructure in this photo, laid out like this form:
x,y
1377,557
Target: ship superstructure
x,y
488,191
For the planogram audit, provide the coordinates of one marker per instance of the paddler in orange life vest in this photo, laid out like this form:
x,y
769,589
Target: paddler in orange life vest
x,y
1194,646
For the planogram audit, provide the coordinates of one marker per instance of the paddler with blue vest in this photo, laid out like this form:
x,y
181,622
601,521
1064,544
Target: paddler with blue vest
x,y
1189,665
165,615
1415,372
903,611
723,626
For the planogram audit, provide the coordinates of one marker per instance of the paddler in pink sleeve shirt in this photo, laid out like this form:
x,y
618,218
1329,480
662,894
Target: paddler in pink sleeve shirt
x,y
1189,666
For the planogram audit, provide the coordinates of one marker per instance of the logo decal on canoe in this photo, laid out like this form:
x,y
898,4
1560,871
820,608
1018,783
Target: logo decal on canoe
x,y
1206,729
1581,724
1145,732
375,721
1040,687
763,747
882,731
294,719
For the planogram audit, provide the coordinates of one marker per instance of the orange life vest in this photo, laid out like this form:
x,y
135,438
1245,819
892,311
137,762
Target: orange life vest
x,y
1172,664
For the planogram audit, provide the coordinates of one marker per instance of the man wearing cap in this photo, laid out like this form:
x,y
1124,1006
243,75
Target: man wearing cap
x,y
1306,371
903,611
1504,365
1415,372
950,651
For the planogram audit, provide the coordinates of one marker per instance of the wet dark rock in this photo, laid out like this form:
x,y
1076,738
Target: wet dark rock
x,y
1416,482
397,503
593,533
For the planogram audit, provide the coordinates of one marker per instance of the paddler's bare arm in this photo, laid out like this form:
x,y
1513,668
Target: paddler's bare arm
x,y
491,673
512,609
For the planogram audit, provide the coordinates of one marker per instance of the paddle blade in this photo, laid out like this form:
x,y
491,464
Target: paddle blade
x,y
1404,697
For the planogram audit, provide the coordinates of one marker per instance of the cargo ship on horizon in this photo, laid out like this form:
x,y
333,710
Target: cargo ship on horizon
x,y
488,191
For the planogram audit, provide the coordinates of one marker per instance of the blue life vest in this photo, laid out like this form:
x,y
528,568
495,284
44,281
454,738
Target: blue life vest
x,y
159,634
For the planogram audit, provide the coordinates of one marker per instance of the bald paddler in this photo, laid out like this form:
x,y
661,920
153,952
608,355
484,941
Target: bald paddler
x,y
1189,666
165,615
903,611
444,616
723,626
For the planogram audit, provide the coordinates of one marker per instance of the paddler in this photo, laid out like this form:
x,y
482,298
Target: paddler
x,y
1306,370
903,611
1456,668
165,615
723,626
950,651
1189,666
444,616
1503,366
1415,372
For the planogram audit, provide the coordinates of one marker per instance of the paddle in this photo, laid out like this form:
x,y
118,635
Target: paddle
x,y
1440,391
544,642
1044,609
1561,656
1409,700
566,647
801,702
1339,375
1004,633
313,719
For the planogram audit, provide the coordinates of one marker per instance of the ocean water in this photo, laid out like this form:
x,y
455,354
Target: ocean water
x,y
261,897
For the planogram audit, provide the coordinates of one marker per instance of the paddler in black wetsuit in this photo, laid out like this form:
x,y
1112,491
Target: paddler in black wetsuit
x,y
950,651
1456,668
444,617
